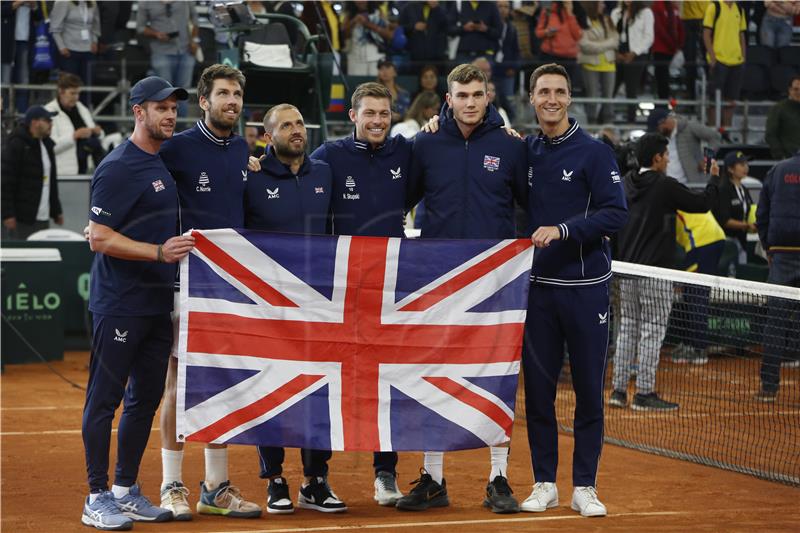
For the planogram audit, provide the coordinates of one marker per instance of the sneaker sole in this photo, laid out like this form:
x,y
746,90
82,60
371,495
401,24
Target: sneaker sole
x,y
203,508
272,510
86,521
163,517
550,505
654,409
619,405
436,502
588,515
390,502
321,509
500,510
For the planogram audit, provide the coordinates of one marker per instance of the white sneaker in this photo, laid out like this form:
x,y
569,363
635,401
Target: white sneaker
x,y
386,490
174,497
543,497
584,500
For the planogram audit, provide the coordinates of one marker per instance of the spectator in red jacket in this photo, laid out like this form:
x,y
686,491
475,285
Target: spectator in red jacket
x,y
559,31
668,40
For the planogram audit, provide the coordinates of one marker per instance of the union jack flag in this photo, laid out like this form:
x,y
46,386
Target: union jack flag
x,y
350,343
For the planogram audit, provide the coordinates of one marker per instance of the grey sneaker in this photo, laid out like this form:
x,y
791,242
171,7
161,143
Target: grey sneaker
x,y
104,514
651,402
386,490
136,506
618,399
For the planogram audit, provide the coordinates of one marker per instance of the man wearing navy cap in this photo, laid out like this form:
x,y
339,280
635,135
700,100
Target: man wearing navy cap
x,y
132,226
30,190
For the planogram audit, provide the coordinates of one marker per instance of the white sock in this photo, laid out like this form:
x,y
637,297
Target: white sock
x,y
434,465
499,457
120,492
216,467
171,464
93,496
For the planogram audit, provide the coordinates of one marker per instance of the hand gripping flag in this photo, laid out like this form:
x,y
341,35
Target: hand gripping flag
x,y
350,343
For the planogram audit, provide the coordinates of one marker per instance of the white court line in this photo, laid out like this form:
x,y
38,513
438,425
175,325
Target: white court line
x,y
42,408
448,523
55,432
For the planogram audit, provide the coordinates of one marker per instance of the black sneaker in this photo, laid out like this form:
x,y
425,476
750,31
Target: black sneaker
x,y
278,499
499,498
651,402
319,496
427,493
618,399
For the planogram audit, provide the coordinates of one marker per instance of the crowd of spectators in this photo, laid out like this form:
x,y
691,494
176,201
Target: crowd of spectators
x,y
629,49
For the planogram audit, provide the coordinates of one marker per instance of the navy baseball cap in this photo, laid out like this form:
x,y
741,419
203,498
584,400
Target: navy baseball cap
x,y
155,89
37,112
657,116
731,158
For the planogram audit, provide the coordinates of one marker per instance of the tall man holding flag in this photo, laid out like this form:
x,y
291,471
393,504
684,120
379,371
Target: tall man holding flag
x,y
576,203
209,164
470,173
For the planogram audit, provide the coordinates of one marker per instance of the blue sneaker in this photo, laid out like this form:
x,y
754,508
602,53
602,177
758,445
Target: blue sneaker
x,y
136,506
104,514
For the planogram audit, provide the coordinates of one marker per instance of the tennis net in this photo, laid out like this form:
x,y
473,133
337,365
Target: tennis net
x,y
713,349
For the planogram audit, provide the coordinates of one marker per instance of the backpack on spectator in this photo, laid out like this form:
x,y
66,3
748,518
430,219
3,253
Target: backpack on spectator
x,y
718,9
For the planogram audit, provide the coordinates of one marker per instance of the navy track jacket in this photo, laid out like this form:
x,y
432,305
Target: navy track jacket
x,y
276,199
369,185
574,184
211,174
777,215
469,185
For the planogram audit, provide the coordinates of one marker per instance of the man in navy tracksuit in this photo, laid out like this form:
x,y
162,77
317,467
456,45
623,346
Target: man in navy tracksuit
x,y
291,193
778,224
370,173
576,203
470,173
132,229
209,164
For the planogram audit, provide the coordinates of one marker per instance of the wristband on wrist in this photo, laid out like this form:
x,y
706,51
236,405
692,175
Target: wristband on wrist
x,y
160,254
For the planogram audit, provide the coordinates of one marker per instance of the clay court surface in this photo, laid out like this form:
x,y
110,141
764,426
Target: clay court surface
x,y
43,480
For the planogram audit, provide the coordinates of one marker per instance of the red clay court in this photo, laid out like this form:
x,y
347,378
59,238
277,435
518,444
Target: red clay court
x,y
43,480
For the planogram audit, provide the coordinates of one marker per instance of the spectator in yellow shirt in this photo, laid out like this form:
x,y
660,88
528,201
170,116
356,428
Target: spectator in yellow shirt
x,y
724,28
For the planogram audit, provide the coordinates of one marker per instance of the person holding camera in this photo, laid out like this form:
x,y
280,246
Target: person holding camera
x,y
75,133
173,44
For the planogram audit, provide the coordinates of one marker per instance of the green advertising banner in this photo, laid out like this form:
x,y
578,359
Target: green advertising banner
x,y
32,294
76,262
